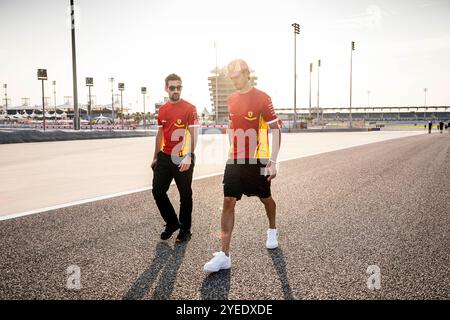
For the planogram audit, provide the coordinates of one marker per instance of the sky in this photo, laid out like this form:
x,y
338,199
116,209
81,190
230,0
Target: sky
x,y
402,47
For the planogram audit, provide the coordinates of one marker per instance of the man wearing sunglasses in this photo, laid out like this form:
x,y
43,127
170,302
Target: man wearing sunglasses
x,y
250,167
174,159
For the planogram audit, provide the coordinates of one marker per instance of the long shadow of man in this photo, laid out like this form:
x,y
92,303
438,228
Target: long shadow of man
x,y
280,266
216,286
167,261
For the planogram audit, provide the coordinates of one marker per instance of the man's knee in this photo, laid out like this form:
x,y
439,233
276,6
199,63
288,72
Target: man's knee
x,y
267,201
229,202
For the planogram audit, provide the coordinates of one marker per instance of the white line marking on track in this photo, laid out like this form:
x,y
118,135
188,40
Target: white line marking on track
x,y
124,193
75,203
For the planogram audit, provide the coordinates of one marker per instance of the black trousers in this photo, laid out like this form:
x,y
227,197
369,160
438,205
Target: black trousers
x,y
164,172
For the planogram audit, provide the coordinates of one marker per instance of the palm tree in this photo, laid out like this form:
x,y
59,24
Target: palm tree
x,y
137,117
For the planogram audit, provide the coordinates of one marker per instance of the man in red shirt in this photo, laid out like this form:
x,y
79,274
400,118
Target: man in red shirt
x,y
174,159
250,167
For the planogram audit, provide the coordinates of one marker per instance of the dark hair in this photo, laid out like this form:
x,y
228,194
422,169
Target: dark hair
x,y
172,77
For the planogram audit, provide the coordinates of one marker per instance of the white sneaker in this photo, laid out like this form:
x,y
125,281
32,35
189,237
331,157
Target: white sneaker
x,y
272,241
219,262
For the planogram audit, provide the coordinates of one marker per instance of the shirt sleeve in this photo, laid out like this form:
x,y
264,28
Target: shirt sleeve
x,y
193,118
160,119
230,122
268,112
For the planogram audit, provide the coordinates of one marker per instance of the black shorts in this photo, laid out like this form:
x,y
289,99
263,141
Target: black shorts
x,y
248,179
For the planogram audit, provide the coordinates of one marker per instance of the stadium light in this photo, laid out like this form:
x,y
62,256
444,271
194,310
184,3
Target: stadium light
x,y
296,32
42,75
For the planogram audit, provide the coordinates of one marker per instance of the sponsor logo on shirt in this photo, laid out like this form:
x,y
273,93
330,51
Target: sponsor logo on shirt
x,y
250,116
179,124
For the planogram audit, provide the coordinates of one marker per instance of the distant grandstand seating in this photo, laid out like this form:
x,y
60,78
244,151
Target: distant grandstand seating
x,y
405,113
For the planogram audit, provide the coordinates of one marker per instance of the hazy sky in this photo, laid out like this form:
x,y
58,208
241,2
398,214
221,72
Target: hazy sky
x,y
402,46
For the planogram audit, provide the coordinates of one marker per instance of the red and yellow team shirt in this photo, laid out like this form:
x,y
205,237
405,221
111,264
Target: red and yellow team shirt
x,y
250,115
175,120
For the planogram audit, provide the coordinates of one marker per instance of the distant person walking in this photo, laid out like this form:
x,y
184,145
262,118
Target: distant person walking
x,y
430,125
174,159
250,167
441,126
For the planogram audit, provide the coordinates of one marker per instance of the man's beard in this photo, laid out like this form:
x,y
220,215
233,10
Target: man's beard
x,y
175,97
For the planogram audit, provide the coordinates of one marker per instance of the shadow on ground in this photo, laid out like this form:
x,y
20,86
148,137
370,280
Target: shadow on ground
x,y
166,263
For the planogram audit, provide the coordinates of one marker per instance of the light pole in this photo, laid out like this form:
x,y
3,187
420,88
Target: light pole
x,y
425,105
296,32
76,123
25,102
47,102
318,85
121,88
217,87
368,98
144,92
351,62
425,90
42,75
89,84
5,86
54,96
112,99
310,73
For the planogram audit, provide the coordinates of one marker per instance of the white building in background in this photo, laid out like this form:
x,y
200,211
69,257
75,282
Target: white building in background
x,y
220,94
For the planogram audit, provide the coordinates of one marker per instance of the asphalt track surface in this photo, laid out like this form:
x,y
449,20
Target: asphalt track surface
x,y
385,204
38,177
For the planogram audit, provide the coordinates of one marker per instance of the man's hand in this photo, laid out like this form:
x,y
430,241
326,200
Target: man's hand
x,y
185,163
153,164
271,170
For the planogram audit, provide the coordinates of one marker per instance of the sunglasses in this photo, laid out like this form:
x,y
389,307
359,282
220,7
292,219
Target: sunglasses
x,y
172,88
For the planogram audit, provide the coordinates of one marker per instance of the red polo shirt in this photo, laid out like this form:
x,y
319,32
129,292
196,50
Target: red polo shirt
x,y
175,120
250,115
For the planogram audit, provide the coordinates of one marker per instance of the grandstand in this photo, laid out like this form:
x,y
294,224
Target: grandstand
x,y
410,114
